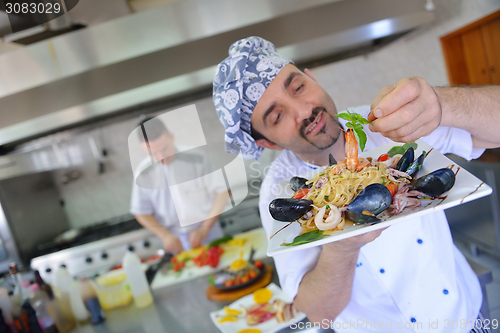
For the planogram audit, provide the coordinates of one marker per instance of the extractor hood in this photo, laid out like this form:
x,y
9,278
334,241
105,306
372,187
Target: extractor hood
x,y
172,50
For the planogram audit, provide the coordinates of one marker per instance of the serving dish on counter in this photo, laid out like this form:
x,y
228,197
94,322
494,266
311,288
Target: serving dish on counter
x,y
467,187
269,326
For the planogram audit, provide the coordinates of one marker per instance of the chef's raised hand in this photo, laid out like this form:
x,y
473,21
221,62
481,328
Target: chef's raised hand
x,y
406,111
172,243
196,237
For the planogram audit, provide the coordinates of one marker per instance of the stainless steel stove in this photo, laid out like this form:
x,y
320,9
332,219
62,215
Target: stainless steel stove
x,y
96,249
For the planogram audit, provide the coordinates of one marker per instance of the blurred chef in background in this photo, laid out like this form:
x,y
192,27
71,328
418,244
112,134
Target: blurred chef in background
x,y
154,207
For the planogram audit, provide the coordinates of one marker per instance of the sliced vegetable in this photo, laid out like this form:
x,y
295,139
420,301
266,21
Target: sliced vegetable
x,y
383,157
262,295
300,193
229,311
220,241
393,188
229,318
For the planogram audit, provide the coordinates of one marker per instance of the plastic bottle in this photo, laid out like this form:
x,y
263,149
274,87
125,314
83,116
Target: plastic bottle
x,y
16,299
137,281
39,301
6,307
62,318
77,305
26,291
62,282
91,301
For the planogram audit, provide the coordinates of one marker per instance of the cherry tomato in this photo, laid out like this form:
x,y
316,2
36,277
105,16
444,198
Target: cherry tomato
x,y
245,279
252,274
229,283
393,188
300,193
259,264
383,157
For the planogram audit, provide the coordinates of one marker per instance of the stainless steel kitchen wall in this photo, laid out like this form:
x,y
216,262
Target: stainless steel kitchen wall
x,y
95,197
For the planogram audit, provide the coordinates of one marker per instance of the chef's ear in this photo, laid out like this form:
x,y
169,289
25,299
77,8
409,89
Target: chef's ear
x,y
308,73
268,144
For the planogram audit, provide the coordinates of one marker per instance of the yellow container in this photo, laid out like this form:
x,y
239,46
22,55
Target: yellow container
x,y
112,290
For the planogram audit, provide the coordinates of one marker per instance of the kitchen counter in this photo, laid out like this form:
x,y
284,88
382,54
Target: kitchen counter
x,y
180,308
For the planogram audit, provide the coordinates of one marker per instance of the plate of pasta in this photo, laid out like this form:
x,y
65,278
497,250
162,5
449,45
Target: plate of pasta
x,y
379,188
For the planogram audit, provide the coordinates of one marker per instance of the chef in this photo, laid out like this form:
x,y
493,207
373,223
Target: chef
x,y
411,275
153,203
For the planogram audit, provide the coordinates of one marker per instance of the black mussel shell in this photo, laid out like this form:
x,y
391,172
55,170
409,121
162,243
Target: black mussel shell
x,y
331,160
435,183
298,183
406,160
414,168
374,198
289,210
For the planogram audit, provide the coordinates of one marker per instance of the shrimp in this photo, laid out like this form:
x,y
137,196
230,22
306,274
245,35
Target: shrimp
x,y
351,162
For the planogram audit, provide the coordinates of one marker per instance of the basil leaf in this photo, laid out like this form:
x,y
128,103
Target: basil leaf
x,y
410,144
308,237
349,125
360,137
345,116
396,150
401,149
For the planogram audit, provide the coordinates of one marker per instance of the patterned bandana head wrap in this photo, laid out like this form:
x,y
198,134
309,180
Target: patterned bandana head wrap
x,y
239,83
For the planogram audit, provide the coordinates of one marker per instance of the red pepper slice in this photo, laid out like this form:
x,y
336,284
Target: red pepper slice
x,y
300,193
383,157
393,188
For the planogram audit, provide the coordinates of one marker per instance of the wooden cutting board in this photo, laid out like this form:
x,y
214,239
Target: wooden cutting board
x,y
255,238
231,295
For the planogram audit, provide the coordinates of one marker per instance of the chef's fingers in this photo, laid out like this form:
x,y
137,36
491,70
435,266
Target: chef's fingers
x,y
378,98
404,135
406,120
405,91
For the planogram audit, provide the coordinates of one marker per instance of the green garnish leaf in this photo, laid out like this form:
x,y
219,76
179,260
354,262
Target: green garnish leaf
x,y
360,137
211,280
383,180
327,206
308,237
326,197
345,116
356,122
401,149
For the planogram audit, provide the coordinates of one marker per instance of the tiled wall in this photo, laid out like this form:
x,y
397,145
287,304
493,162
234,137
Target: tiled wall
x,y
96,197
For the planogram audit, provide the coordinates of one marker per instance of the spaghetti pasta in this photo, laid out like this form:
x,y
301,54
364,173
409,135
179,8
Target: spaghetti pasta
x,y
332,189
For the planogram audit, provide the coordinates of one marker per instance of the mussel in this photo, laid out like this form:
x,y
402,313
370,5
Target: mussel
x,y
331,160
298,183
289,210
435,183
414,168
406,160
371,201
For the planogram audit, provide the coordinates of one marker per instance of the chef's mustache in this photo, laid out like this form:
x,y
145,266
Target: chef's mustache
x,y
310,120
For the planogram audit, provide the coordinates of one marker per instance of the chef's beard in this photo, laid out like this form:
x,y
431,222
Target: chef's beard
x,y
332,140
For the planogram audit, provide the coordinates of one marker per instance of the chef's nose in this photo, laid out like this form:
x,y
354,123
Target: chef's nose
x,y
302,111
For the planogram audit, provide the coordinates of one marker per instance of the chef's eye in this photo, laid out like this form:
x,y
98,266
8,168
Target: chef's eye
x,y
299,88
278,117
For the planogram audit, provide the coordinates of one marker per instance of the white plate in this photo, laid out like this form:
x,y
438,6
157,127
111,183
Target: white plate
x,y
269,326
467,188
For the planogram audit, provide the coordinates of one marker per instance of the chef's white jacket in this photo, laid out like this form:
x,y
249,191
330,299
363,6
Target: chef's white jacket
x,y
183,190
410,278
